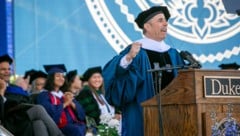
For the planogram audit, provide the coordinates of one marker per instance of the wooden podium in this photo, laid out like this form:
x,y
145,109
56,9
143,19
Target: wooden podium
x,y
185,107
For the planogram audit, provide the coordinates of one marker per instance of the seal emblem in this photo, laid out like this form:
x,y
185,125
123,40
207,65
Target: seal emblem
x,y
197,26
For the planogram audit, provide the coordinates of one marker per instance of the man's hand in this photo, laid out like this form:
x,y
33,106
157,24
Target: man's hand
x,y
135,48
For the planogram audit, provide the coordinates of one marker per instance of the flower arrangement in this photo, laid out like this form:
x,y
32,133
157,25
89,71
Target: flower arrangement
x,y
108,126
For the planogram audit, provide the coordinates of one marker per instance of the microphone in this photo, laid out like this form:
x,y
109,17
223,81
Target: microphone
x,y
192,62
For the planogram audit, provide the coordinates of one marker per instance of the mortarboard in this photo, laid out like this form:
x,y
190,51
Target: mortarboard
x,y
229,66
146,15
36,75
29,73
71,75
90,71
55,68
6,58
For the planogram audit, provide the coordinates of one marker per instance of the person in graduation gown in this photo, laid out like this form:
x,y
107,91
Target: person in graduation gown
x,y
127,80
73,82
27,75
21,117
65,111
92,97
37,82
3,86
74,85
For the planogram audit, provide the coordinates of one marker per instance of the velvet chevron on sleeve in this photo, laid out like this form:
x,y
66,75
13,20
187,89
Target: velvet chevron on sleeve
x,y
89,104
128,88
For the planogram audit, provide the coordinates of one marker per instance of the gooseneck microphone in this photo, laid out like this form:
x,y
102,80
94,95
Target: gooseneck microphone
x,y
192,61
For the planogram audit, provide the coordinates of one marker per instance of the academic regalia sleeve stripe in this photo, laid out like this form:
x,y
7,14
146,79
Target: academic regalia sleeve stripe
x,y
122,89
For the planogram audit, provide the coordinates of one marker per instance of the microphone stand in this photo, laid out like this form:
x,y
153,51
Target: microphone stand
x,y
171,68
158,76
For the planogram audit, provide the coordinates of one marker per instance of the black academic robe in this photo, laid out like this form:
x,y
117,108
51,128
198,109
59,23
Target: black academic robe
x,y
16,119
162,60
1,109
89,103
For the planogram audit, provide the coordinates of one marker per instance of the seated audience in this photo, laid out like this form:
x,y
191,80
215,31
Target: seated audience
x,y
27,76
21,117
37,82
91,97
19,81
65,111
74,85
73,82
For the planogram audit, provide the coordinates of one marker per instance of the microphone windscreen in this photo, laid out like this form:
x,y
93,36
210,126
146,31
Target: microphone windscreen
x,y
183,54
188,56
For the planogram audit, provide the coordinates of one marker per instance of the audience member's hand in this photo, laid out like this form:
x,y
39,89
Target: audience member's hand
x,y
68,97
73,105
135,48
3,86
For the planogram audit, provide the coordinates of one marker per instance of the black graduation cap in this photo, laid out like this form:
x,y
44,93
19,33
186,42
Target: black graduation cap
x,y
71,75
55,68
146,15
230,66
6,58
90,71
36,75
29,73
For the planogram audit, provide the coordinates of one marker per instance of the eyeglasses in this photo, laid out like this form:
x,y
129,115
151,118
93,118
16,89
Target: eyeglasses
x,y
40,84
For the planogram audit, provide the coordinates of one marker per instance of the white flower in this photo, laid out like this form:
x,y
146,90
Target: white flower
x,y
89,134
114,123
105,118
108,125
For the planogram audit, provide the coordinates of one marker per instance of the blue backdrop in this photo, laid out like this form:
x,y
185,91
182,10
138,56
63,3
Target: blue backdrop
x,y
88,33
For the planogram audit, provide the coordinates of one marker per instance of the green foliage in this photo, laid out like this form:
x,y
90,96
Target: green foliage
x,y
105,130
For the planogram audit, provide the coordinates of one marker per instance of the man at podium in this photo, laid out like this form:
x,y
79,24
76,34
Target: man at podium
x,y
127,80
